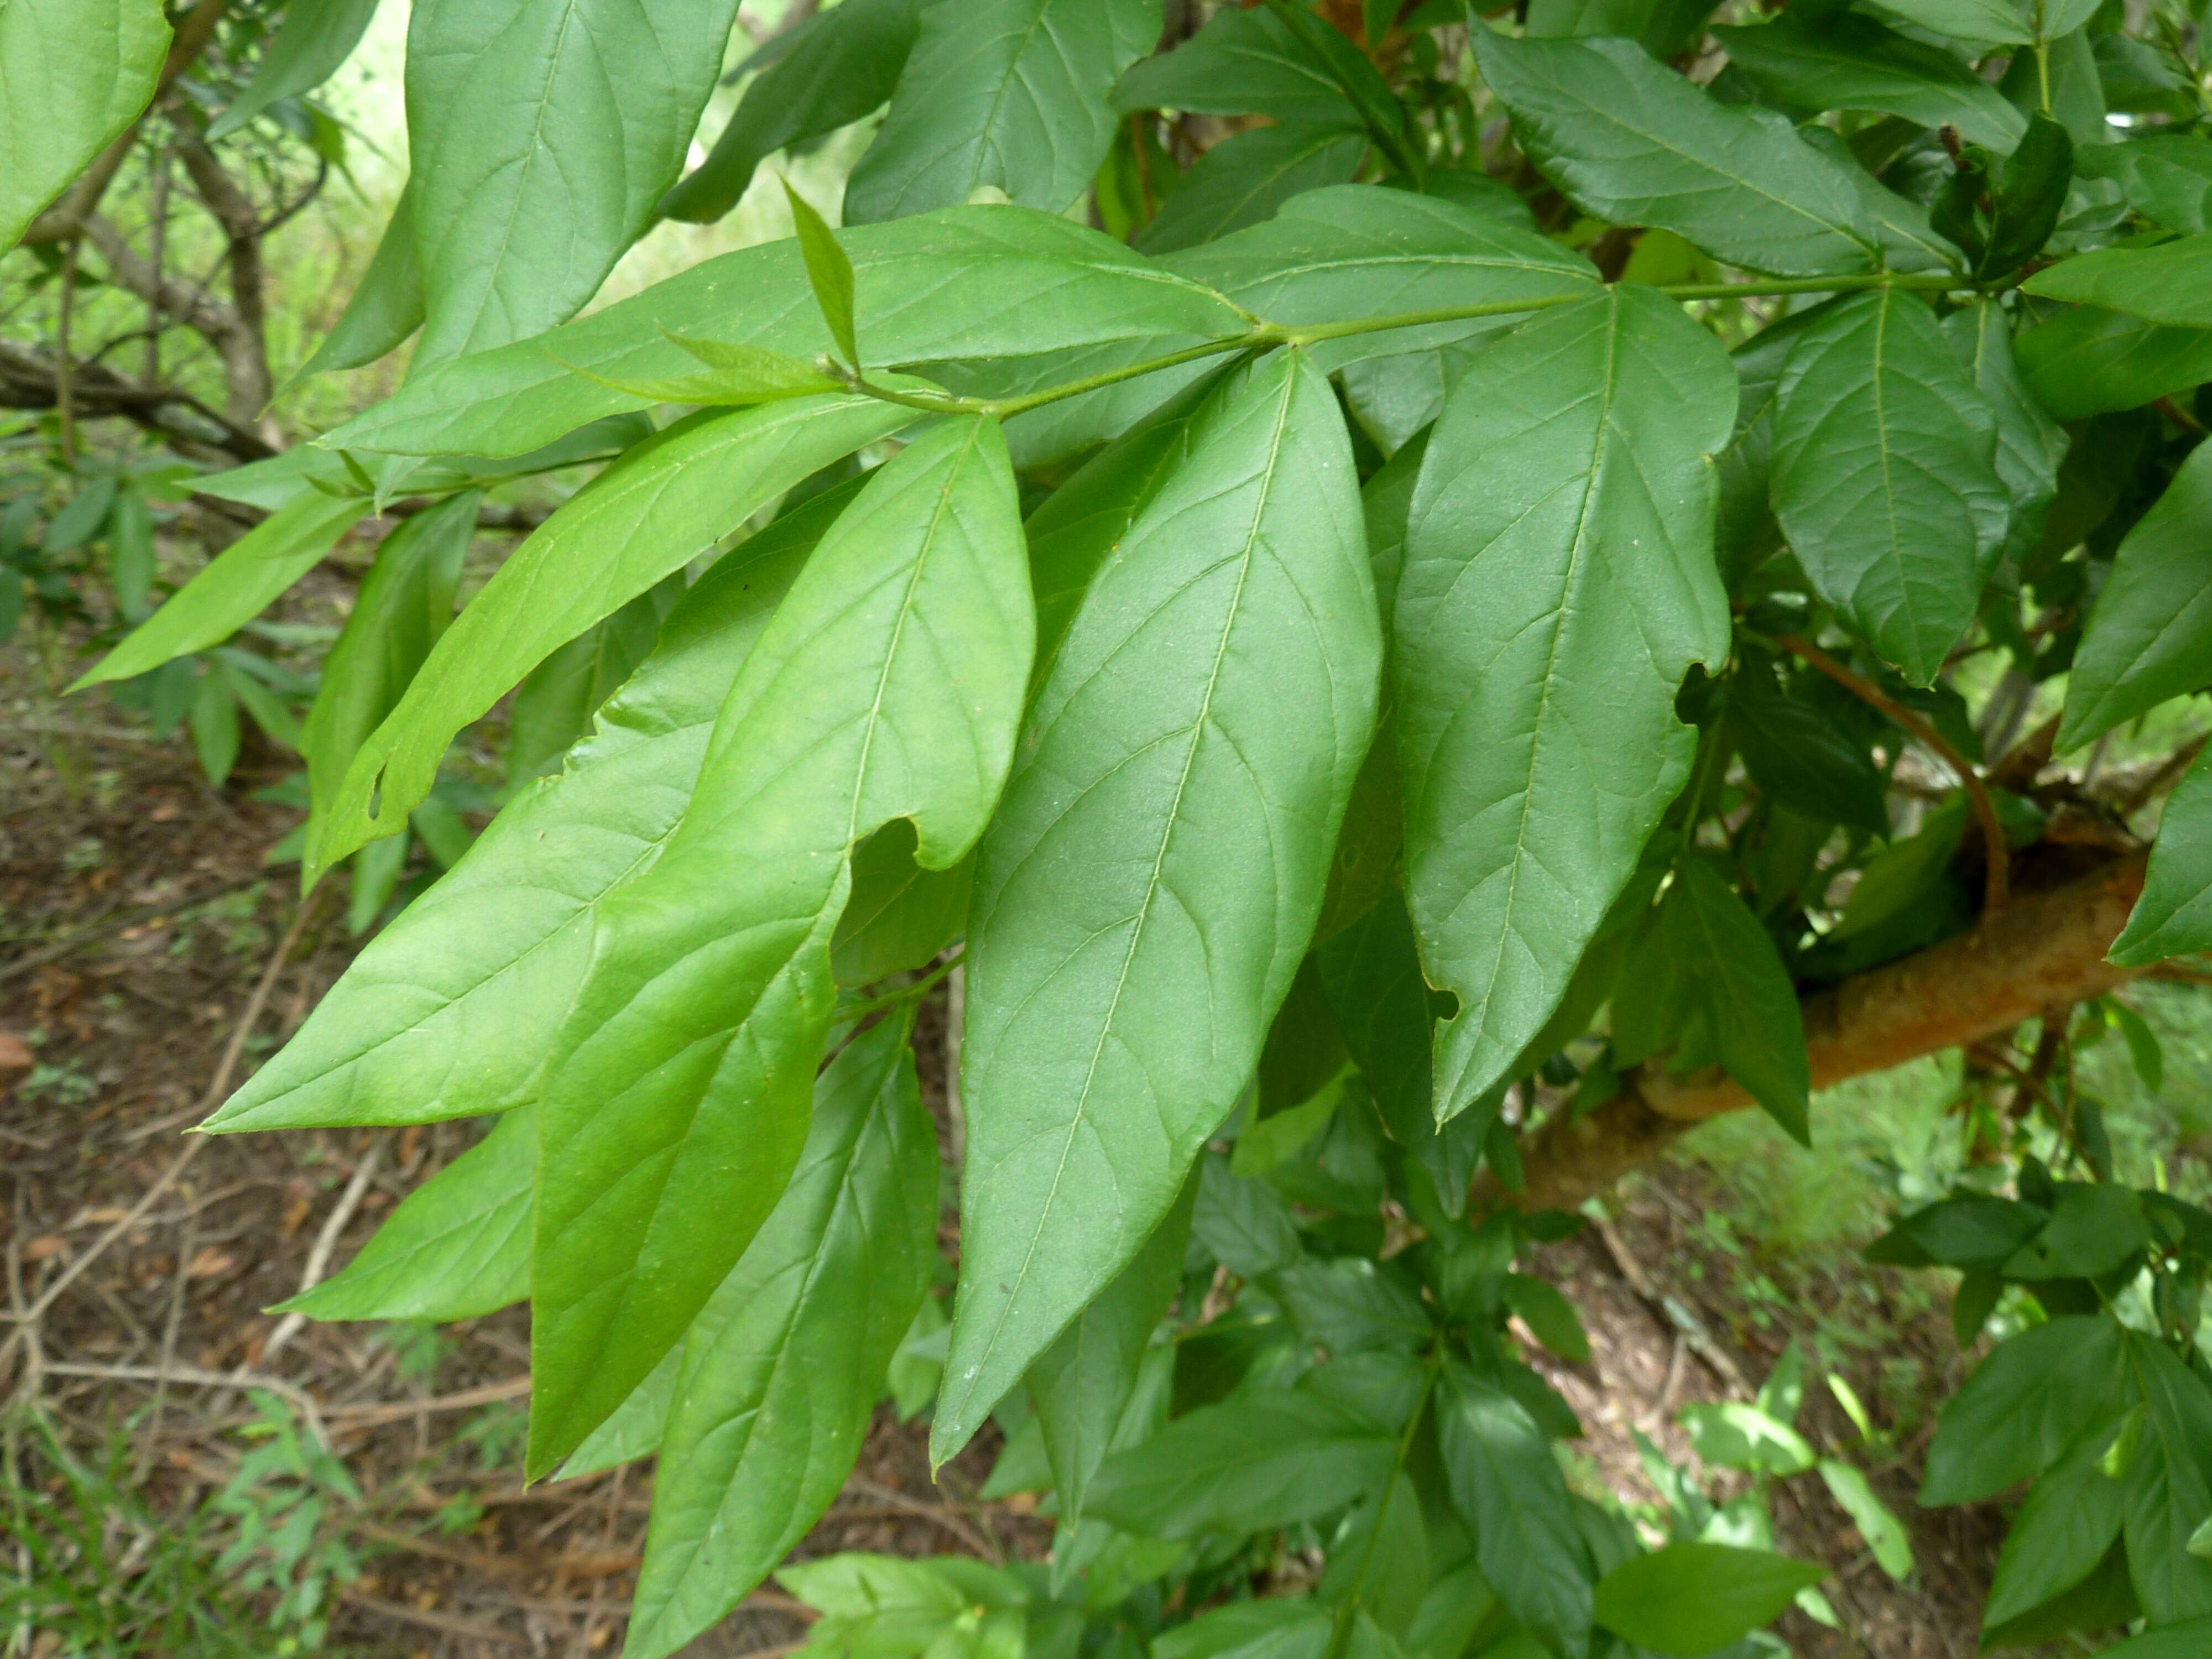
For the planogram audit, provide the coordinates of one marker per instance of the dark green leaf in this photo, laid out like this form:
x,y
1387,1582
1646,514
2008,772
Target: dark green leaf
x,y
2093,1230
386,304
2031,446
1973,1231
553,708
2166,176
1242,62
2088,361
900,915
1846,61
2169,1484
1277,1627
1246,177
1350,1306
1694,1598
2071,1518
2177,1642
1801,759
1244,1224
2029,1404
2028,195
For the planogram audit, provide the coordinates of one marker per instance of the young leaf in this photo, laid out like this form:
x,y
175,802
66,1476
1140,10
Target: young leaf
x,y
2027,1407
310,44
1163,848
1506,1485
828,272
386,305
242,582
2150,636
1559,583
1009,94
485,962
676,1088
1629,140
1696,1598
458,1247
1847,61
662,505
843,63
73,75
1885,476
2169,283
541,137
784,1366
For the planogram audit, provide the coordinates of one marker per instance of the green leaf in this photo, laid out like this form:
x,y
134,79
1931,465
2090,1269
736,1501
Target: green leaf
x,y
214,720
783,1367
1665,26
2145,1053
900,915
662,505
2072,1517
1750,1017
1693,1598
1549,1316
843,63
2169,283
2031,445
2169,1484
1246,177
1352,1305
1082,1384
1268,1459
2028,195
1378,1565
1973,1231
73,74
485,962
1628,140
676,1098
2093,1229
385,306
2027,1407
1979,24
541,137
1558,585
1885,476
1801,759
1739,1436
1884,1533
828,273
242,582
2176,1642
636,1427
1275,1628
735,375
2166,176
2150,636
1162,849
2173,917
315,37
456,1247
1506,1485
2089,361
1845,61
553,708
405,604
1242,1222
1242,62
1006,94
1054,285
131,556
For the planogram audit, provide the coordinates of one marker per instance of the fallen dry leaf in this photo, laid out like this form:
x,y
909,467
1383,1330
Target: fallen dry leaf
x,y
208,1261
46,1244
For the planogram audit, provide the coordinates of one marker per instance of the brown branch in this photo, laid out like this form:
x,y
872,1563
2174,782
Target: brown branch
x,y
1997,881
2016,770
244,345
29,379
2044,950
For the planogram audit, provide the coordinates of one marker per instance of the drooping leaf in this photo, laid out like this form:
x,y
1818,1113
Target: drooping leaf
x,y
315,37
1692,1598
2150,636
900,915
73,74
2169,283
1275,1628
541,137
2175,915
1006,94
1848,61
2031,445
1663,25
553,707
662,505
2166,176
2071,1518
1629,140
386,305
844,63
1559,583
2028,1406
1246,177
1885,476
784,1365
1507,1486
1884,1533
2169,1484
380,1046
1054,285
677,1087
240,582
1162,848
2089,361
1242,62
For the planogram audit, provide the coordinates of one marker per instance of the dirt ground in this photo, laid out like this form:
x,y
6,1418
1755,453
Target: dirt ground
x,y
147,959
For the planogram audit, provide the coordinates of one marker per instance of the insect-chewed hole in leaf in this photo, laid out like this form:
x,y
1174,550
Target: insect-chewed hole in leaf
x,y
1442,1005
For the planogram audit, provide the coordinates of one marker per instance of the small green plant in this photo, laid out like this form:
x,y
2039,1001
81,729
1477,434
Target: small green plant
x,y
287,1506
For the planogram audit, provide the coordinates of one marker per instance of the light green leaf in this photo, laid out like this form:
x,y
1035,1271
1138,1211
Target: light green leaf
x,y
828,273
2169,1484
456,1247
1695,1598
2089,361
1845,61
2073,1514
844,63
2150,636
2166,176
1054,285
542,135
1010,94
73,74
784,1366
662,505
1629,140
2031,445
405,604
887,685
1268,1459
2173,917
315,37
242,582
2026,1407
1242,62
451,1010
634,1428
386,305
1884,1533
1506,1485
1082,1384
2169,283
1559,583
1885,476
1244,180
1160,858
